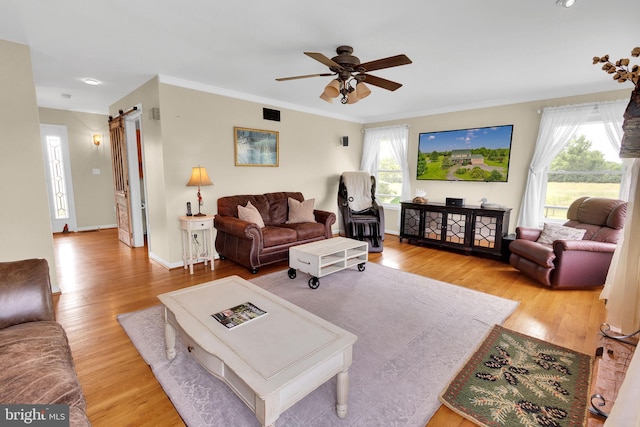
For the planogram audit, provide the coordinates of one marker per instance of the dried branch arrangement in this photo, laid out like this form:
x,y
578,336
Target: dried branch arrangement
x,y
621,70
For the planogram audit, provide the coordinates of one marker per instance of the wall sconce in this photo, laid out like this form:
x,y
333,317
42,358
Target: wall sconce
x,y
97,139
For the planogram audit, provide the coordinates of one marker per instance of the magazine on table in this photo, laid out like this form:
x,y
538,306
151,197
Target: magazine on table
x,y
238,315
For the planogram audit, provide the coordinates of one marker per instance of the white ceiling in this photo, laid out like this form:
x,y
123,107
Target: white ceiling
x,y
466,53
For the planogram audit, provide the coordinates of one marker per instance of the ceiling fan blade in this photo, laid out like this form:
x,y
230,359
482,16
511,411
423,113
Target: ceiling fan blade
x,y
282,79
392,61
380,82
321,58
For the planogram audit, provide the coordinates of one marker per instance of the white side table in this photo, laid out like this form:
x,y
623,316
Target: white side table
x,y
197,246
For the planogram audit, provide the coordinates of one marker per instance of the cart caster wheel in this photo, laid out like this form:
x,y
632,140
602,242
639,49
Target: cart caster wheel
x,y
361,267
314,282
292,273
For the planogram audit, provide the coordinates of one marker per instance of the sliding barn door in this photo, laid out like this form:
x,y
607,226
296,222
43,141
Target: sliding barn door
x,y
121,179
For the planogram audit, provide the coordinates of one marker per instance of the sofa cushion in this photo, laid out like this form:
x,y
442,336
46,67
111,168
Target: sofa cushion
x,y
552,232
279,206
307,230
251,214
228,206
25,292
300,211
275,236
37,366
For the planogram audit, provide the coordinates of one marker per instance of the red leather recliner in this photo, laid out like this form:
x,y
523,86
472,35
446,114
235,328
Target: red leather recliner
x,y
573,264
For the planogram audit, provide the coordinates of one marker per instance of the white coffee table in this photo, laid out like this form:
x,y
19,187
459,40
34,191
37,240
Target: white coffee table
x,y
270,362
327,256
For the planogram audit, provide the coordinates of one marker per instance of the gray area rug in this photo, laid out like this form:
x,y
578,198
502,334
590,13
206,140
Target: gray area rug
x,y
414,333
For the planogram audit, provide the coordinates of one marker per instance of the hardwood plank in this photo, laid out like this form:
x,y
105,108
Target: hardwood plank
x,y
101,278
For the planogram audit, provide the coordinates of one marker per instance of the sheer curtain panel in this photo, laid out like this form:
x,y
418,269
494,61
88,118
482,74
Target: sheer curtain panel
x,y
398,137
557,126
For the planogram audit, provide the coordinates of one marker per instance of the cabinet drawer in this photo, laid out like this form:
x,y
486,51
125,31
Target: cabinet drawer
x,y
198,225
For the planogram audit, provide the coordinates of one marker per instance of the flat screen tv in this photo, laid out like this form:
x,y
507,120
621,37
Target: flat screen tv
x,y
477,154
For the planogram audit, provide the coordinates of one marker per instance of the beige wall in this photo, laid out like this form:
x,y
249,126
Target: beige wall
x,y
26,229
147,97
196,128
526,120
93,194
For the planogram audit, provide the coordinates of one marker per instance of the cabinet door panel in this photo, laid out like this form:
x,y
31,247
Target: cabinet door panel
x,y
411,222
485,231
456,228
433,225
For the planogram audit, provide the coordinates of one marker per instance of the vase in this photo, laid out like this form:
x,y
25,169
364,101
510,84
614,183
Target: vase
x,y
630,145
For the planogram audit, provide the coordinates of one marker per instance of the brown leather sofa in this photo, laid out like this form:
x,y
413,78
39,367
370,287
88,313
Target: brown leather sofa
x,y
573,264
37,367
251,246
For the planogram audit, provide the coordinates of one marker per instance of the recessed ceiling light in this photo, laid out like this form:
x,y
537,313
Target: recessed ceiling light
x,y
92,82
566,3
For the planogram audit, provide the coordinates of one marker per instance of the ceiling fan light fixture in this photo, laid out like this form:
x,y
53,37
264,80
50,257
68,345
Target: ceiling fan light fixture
x,y
349,72
352,97
362,90
324,97
332,90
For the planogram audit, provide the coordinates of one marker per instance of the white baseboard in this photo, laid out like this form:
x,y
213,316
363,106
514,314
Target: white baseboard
x,y
163,262
97,227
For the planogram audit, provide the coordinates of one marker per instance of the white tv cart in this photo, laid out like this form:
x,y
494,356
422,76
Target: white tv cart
x,y
327,256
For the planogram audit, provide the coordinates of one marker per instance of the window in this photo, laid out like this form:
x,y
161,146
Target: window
x,y
570,150
57,177
57,165
588,165
385,157
389,181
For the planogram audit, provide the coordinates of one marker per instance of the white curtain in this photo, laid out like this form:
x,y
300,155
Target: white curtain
x,y
622,287
611,114
398,137
557,126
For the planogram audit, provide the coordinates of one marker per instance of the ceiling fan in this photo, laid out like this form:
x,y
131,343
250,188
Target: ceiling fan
x,y
351,75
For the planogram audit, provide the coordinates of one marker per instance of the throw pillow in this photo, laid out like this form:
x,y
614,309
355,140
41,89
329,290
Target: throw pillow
x,y
553,232
301,211
251,214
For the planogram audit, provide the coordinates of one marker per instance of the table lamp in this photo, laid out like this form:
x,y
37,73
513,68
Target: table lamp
x,y
199,178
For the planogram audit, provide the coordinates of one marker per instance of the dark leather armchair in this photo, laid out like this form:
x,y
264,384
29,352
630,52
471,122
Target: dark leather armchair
x,y
365,224
573,264
37,364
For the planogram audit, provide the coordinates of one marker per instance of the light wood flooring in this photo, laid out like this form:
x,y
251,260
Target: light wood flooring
x,y
101,278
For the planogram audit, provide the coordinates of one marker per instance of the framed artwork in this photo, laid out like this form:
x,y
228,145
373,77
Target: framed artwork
x,y
255,147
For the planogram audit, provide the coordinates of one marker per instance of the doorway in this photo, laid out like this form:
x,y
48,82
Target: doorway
x,y
55,147
137,190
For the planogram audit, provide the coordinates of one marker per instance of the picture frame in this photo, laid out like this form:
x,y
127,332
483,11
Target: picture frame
x,y
255,147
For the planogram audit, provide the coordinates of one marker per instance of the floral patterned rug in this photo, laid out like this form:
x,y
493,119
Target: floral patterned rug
x,y
516,380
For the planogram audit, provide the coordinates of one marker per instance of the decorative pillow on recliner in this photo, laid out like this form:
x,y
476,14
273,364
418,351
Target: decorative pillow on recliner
x,y
250,213
552,232
301,211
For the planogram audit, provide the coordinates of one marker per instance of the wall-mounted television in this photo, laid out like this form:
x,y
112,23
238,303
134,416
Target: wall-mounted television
x,y
477,154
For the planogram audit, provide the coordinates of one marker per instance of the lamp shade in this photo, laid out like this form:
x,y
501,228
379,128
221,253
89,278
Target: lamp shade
x,y
352,97
199,177
362,90
324,97
332,90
